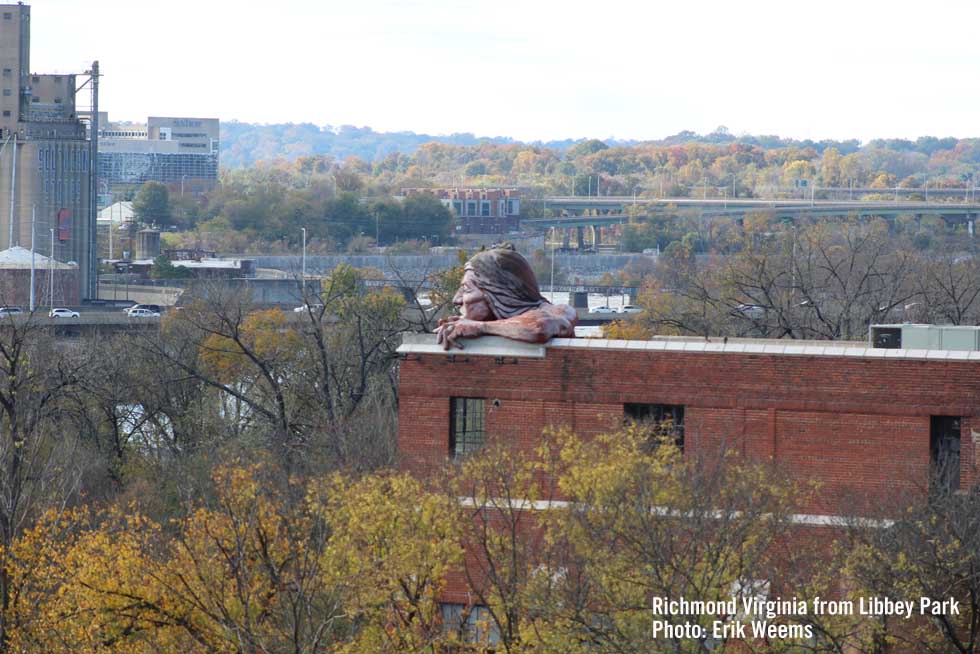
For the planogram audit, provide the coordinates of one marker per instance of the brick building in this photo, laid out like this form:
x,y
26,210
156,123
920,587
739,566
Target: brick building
x,y
480,210
824,411
868,423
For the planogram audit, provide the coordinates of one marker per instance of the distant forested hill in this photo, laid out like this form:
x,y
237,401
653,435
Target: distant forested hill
x,y
243,144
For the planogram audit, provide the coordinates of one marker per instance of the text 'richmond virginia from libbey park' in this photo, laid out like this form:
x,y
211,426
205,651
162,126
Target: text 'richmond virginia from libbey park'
x,y
748,617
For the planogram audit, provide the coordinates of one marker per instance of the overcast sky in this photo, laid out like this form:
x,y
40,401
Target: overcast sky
x,y
533,69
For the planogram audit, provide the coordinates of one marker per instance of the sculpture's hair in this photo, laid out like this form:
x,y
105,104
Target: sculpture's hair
x,y
507,280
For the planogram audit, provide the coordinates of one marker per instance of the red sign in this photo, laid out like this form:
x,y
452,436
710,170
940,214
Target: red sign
x,y
64,224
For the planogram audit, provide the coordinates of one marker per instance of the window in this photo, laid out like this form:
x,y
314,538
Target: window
x,y
35,99
663,420
7,15
471,208
474,626
485,208
6,113
944,453
57,100
7,72
466,425
511,207
6,92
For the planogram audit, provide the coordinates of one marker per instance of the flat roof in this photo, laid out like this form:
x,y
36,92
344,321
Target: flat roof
x,y
497,346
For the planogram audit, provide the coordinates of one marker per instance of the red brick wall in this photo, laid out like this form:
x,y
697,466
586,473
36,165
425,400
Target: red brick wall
x,y
858,427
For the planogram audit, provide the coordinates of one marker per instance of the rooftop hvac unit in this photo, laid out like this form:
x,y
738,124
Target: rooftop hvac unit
x,y
925,337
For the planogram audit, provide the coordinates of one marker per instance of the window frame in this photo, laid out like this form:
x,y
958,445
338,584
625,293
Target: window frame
x,y
472,421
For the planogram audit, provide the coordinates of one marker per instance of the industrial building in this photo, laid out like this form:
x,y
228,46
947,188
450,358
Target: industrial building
x,y
55,282
865,422
46,175
179,152
821,408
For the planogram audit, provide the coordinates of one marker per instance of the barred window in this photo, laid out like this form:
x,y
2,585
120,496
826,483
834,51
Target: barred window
x,y
466,425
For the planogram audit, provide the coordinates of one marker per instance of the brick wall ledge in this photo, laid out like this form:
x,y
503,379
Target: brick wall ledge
x,y
496,346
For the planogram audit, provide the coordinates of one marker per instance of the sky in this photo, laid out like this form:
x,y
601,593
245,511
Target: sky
x,y
532,69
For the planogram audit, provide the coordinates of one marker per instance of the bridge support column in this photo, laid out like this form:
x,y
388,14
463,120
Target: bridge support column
x,y
580,232
970,224
566,237
596,236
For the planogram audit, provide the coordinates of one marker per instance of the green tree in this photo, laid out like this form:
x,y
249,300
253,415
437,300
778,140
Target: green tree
x,y
152,205
163,269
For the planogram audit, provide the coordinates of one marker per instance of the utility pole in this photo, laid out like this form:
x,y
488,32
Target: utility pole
x,y
13,192
302,288
51,272
33,220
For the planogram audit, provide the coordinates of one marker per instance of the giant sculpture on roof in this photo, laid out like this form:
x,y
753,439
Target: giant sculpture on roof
x,y
499,296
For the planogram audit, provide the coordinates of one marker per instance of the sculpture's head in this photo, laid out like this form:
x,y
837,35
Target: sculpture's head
x,y
497,283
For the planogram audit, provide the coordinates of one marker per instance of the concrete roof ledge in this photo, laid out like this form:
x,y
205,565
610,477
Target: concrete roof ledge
x,y
488,346
496,346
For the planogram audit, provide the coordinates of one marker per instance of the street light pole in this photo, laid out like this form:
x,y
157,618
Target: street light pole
x,y
182,178
51,272
553,267
33,222
303,275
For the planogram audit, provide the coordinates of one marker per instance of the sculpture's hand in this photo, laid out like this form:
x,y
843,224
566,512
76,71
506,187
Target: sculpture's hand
x,y
451,330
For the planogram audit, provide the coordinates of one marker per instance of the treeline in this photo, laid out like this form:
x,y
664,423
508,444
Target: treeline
x,y
678,165
267,209
260,558
347,203
827,279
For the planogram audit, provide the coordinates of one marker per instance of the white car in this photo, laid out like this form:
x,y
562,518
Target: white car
x,y
143,313
11,311
630,308
314,308
63,313
602,309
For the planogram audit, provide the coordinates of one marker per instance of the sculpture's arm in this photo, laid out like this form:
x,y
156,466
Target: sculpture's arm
x,y
535,326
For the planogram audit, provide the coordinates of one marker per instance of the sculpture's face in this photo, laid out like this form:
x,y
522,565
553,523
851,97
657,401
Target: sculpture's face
x,y
471,300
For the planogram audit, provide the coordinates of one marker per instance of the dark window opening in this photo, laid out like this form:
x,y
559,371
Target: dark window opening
x,y
6,113
466,425
664,421
7,15
944,453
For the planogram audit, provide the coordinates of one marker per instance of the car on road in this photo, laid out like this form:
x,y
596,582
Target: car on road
x,y
630,308
61,312
143,313
11,311
602,309
153,308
